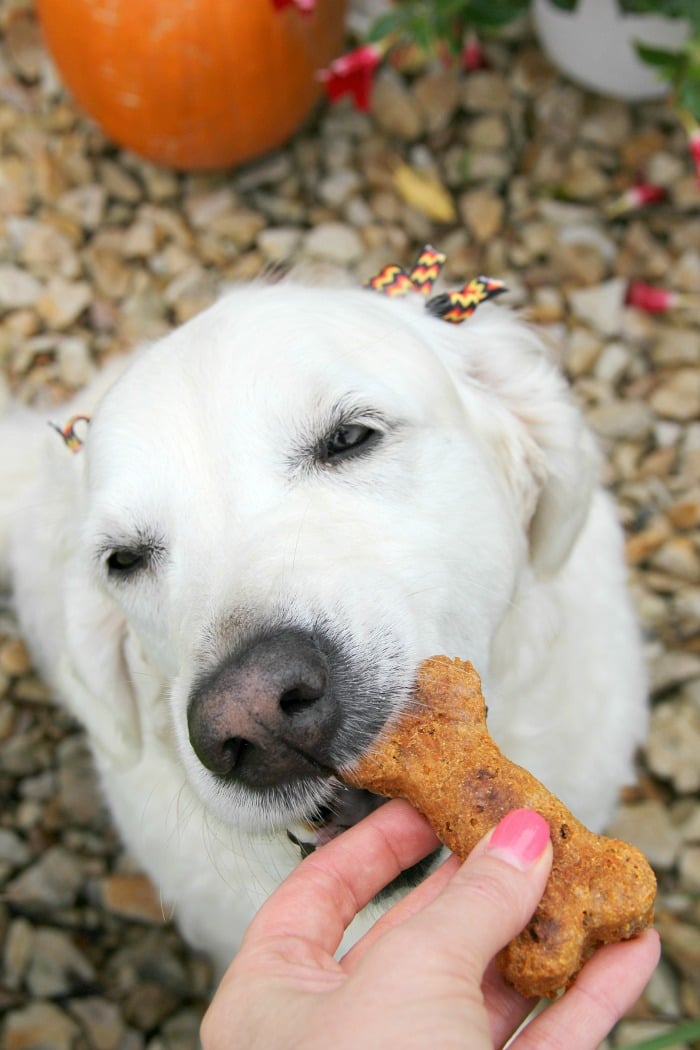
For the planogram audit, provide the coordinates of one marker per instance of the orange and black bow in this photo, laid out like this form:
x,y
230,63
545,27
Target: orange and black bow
x,y
458,306
70,438
454,307
394,281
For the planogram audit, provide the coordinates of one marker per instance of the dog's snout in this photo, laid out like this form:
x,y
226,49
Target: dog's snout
x,y
267,716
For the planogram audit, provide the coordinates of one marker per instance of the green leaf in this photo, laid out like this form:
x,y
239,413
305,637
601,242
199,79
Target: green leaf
x,y
682,1033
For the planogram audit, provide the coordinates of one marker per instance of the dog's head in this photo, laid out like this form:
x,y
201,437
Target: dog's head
x,y
290,502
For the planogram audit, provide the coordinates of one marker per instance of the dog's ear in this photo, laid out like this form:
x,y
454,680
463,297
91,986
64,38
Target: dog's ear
x,y
102,674
521,406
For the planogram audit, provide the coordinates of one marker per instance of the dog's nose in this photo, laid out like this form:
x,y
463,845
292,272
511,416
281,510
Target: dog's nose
x,y
266,717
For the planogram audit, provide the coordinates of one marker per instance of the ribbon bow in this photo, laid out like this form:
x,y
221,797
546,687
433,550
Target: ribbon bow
x,y
67,432
454,307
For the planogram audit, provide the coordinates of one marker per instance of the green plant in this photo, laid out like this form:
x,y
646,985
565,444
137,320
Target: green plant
x,y
431,23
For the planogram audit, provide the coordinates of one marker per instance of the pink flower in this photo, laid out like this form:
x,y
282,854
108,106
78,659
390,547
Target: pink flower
x,y
694,145
305,6
650,298
352,74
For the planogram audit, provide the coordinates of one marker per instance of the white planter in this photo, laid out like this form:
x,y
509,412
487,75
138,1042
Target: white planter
x,y
595,45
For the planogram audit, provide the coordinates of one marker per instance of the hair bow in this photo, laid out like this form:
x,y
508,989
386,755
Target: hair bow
x,y
454,307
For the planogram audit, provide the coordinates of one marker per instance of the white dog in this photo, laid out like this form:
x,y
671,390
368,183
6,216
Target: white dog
x,y
279,510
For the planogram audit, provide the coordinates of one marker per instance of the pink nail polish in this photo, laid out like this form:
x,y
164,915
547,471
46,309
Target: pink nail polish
x,y
520,838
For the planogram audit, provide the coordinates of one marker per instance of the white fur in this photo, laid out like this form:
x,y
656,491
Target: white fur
x,y
476,528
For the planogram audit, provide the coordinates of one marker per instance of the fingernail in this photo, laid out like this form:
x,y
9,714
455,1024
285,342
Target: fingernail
x,y
520,838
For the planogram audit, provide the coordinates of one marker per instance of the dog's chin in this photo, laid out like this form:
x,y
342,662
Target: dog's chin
x,y
346,807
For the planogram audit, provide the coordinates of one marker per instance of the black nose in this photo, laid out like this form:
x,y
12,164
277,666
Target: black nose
x,y
266,717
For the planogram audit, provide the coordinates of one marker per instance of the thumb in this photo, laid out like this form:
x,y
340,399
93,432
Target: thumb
x,y
494,894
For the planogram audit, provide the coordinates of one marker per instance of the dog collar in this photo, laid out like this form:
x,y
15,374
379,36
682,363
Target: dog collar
x,y
454,307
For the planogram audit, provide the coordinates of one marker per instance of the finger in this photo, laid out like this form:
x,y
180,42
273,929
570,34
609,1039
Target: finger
x,y
609,984
492,896
414,901
506,1008
317,902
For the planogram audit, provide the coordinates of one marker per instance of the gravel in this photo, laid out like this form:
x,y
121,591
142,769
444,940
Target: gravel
x,y
99,249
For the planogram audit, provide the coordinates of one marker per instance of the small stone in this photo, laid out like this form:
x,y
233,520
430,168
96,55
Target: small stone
x,y
582,351
17,952
338,187
14,657
601,305
181,1031
335,242
132,897
674,744
483,213
23,45
681,943
44,249
62,302
488,132
640,545
621,419
40,1026
18,288
52,882
204,209
394,107
678,557
675,347
661,994
685,514
609,125
119,182
56,968
14,851
270,170
74,364
147,1005
690,868
279,243
101,1021
678,397
672,669
437,94
647,826
86,205
486,91
78,795
140,240
190,292
613,363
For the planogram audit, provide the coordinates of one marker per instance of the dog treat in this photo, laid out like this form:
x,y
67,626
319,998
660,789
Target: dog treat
x,y
440,757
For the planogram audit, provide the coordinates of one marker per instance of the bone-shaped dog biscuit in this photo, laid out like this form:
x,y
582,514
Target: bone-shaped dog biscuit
x,y
440,757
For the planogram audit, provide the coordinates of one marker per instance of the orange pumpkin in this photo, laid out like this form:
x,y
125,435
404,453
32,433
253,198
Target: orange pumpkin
x,y
194,84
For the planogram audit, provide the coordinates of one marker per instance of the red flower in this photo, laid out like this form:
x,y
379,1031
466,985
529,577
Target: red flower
x,y
473,57
650,298
352,74
692,128
637,196
305,6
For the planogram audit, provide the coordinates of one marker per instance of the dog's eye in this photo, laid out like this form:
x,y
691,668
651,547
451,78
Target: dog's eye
x,y
126,560
347,440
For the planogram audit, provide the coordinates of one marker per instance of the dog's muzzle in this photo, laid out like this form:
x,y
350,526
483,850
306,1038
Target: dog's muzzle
x,y
269,716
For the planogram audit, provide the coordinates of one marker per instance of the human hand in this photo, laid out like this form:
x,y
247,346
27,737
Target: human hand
x,y
423,976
